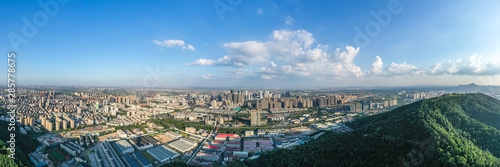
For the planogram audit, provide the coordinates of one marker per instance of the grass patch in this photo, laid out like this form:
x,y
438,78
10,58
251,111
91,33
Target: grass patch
x,y
184,134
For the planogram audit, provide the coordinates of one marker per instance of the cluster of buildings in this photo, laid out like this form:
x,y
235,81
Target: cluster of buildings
x,y
59,123
264,100
129,133
258,144
327,125
105,156
422,95
212,151
57,111
144,142
368,105
127,120
87,140
288,102
72,148
192,130
123,147
287,143
27,120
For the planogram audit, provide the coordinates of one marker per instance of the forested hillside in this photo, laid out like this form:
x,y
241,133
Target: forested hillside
x,y
25,143
451,130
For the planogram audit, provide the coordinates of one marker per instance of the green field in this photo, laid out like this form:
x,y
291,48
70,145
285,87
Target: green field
x,y
57,155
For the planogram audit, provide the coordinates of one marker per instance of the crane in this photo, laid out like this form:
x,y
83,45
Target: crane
x,y
62,134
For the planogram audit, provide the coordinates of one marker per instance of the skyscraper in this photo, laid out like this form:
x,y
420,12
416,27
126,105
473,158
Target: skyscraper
x,y
255,117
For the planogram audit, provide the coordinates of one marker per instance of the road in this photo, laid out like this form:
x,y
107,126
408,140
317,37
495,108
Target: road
x,y
201,145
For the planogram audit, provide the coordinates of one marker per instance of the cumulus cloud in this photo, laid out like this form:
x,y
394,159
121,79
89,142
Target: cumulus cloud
x,y
208,76
247,53
377,66
202,62
340,65
174,42
471,66
294,54
240,53
295,46
346,56
402,69
289,20
224,61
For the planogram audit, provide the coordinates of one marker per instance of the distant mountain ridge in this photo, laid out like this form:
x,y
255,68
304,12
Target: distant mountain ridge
x,y
473,88
451,130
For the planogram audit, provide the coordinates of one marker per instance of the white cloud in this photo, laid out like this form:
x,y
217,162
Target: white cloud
x,y
346,56
208,76
202,62
295,46
298,56
190,47
295,49
266,77
377,66
341,65
402,69
240,53
260,12
174,42
247,53
289,20
472,66
224,61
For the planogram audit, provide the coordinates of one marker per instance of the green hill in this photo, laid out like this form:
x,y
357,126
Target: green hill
x,y
25,143
451,130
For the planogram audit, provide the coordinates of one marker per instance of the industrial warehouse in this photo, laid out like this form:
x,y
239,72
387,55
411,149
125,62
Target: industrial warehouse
x,y
123,147
144,142
183,144
162,153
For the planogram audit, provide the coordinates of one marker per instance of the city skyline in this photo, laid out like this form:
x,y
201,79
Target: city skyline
x,y
253,44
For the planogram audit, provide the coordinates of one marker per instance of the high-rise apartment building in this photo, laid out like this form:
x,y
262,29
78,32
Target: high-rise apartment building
x,y
255,117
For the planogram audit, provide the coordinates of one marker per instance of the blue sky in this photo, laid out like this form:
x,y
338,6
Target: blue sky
x,y
254,43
